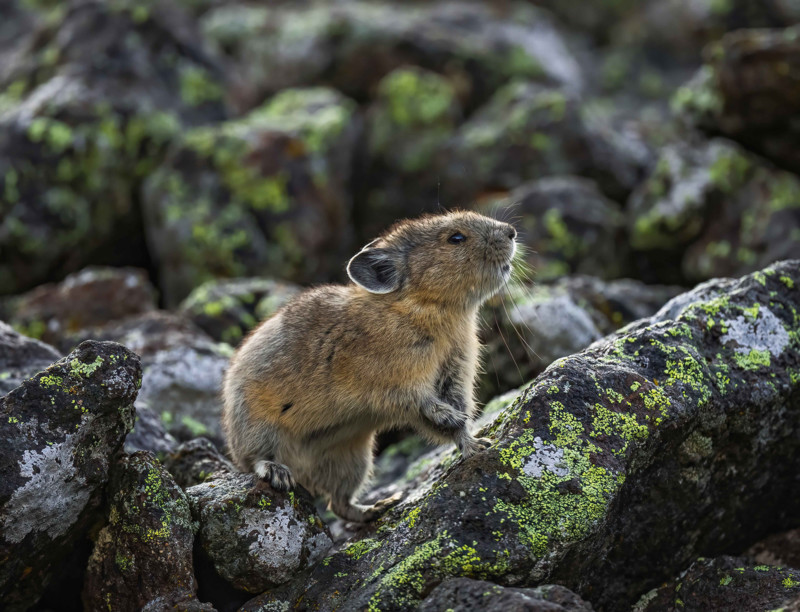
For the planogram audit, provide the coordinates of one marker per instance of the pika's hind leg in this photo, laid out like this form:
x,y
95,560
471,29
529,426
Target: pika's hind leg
x,y
277,475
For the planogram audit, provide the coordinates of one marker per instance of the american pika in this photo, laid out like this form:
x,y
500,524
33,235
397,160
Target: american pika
x,y
307,391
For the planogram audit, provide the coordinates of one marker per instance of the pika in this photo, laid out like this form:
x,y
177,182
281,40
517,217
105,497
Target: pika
x,y
307,390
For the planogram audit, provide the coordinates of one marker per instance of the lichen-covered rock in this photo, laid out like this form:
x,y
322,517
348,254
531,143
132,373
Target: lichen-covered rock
x,y
466,595
749,90
725,583
100,90
352,45
89,298
678,437
21,357
711,209
142,558
567,227
528,131
532,326
149,434
263,195
60,431
256,537
196,461
226,310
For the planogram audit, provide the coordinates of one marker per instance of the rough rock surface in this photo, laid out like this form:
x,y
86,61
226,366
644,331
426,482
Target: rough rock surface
x,y
466,595
530,327
265,194
142,558
567,226
726,583
226,310
149,434
749,90
21,357
90,298
195,462
693,420
256,537
60,430
711,209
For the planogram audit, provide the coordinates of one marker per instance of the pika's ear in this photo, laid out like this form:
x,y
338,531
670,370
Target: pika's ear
x,y
375,270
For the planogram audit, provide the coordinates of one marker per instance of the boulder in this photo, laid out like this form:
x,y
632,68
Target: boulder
x,y
711,209
61,430
266,194
256,537
195,462
21,357
528,131
726,583
142,558
352,45
679,436
149,434
465,595
226,310
100,89
92,297
749,90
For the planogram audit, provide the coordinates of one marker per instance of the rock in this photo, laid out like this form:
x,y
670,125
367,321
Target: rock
x,y
749,90
465,595
726,583
89,298
567,226
99,90
715,210
149,434
777,549
142,559
266,194
61,430
196,461
690,422
530,327
352,45
528,131
21,357
256,537
226,310
413,116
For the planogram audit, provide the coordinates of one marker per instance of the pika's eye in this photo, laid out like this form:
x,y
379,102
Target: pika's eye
x,y
457,238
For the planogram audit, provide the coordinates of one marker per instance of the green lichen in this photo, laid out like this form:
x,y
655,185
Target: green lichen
x,y
790,582
752,360
79,369
197,87
356,550
725,580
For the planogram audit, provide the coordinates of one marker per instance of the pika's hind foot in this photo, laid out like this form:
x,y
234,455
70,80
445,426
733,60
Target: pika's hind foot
x,y
277,475
469,445
357,513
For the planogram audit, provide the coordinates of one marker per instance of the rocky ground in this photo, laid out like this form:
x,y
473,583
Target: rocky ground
x,y
173,172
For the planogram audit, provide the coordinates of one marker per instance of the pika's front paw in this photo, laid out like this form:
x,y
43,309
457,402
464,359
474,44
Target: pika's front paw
x,y
444,417
277,475
470,446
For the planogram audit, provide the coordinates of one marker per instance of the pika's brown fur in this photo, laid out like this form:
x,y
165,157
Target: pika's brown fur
x,y
307,391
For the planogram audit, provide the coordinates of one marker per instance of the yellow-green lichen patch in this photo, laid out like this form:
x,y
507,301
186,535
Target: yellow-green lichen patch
x,y
79,369
725,580
790,582
356,550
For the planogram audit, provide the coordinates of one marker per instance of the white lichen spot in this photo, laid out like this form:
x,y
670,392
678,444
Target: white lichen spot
x,y
765,333
545,457
52,499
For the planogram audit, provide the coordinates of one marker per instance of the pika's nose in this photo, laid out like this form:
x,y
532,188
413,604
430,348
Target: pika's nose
x,y
511,233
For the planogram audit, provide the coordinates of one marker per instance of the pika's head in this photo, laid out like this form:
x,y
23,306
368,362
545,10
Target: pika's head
x,y
457,259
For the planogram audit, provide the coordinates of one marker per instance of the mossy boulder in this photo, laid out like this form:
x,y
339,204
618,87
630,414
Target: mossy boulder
x,y
266,195
60,432
690,422
353,45
226,310
98,94
56,313
749,90
256,537
711,209
567,226
726,583
528,131
142,558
